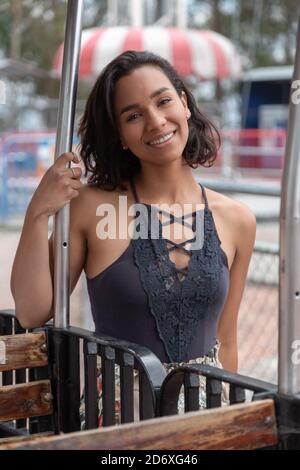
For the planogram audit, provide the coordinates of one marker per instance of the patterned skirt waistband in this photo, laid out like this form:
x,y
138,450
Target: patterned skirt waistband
x,y
211,358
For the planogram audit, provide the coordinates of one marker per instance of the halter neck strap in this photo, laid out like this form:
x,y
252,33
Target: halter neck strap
x,y
204,196
135,194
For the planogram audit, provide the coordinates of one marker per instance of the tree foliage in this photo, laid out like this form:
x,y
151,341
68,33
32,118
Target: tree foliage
x,y
264,30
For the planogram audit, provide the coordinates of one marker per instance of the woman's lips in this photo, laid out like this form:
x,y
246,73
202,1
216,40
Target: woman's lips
x,y
169,136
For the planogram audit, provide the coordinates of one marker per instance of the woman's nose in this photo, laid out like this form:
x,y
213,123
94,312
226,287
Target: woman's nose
x,y
155,119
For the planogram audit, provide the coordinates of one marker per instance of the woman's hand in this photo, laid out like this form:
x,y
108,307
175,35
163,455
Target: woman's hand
x,y
59,185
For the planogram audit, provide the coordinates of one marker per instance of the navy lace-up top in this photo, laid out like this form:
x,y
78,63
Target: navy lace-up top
x,y
142,297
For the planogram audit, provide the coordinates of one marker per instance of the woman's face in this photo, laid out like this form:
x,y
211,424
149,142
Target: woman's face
x,y
151,117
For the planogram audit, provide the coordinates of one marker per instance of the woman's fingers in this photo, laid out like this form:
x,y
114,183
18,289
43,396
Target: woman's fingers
x,y
76,184
76,158
60,184
75,172
63,163
63,160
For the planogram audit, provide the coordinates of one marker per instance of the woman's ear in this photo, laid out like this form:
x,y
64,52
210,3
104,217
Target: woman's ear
x,y
122,140
184,100
185,105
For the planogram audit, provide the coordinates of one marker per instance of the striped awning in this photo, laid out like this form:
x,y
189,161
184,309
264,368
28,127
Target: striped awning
x,y
204,54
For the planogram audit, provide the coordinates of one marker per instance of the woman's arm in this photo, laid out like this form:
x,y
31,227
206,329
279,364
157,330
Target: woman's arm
x,y
32,272
31,279
244,230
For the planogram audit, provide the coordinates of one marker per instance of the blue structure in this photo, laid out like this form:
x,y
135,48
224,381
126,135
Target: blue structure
x,y
265,97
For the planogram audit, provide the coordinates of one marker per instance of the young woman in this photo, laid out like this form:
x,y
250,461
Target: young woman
x,y
141,135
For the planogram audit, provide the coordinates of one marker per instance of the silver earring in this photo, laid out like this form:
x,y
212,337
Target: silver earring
x,y
188,115
124,147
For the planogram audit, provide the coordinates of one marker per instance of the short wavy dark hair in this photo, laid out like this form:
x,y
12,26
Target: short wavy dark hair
x,y
108,164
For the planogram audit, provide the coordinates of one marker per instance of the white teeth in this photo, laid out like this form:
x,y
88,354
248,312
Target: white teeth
x,y
162,140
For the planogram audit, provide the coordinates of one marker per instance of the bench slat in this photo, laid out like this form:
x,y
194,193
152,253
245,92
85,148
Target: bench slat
x,y
242,426
23,350
25,400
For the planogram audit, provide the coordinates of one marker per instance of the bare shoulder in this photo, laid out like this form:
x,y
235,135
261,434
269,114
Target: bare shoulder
x,y
230,208
83,207
89,191
235,214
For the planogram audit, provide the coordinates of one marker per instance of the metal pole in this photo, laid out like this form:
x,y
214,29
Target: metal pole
x,y
112,12
258,8
181,14
289,270
137,13
65,126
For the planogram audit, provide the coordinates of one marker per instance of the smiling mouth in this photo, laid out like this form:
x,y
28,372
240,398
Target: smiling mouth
x,y
163,139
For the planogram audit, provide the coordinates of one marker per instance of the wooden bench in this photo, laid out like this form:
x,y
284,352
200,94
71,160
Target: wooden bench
x,y
238,427
23,352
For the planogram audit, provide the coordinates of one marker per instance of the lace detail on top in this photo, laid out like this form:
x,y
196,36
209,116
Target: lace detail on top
x,y
178,305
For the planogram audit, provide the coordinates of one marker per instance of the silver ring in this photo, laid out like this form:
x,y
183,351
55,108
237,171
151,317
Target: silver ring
x,y
74,175
74,156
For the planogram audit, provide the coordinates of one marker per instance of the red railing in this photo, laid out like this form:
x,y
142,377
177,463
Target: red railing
x,y
253,148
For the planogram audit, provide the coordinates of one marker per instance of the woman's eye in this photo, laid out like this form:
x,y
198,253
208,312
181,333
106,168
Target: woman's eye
x,y
133,116
165,100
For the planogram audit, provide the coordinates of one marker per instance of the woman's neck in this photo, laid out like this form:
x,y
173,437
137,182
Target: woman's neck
x,y
168,186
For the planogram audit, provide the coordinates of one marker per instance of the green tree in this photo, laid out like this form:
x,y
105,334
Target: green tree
x,y
4,27
264,30
32,30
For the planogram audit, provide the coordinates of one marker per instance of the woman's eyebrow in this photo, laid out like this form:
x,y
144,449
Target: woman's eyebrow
x,y
153,95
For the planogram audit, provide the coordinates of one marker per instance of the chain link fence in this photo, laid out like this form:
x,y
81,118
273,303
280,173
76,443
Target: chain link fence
x,y
258,316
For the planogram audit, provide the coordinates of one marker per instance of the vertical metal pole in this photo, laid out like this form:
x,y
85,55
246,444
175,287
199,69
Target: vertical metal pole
x,y
289,287
181,14
112,12
137,13
65,125
258,8
236,24
4,207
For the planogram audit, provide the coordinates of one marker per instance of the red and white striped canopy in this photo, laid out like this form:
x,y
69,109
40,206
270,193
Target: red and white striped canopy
x,y
204,54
